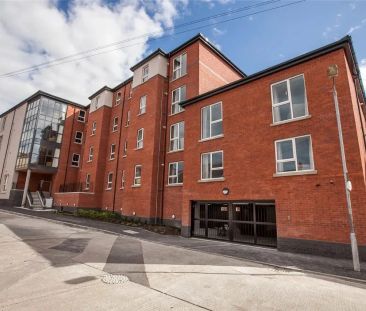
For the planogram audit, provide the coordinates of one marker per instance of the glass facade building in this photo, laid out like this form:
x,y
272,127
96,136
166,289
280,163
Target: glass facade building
x,y
42,134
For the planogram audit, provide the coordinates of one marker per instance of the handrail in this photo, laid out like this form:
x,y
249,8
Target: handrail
x,y
30,198
42,197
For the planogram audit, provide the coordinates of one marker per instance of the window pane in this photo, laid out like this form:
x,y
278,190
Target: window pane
x,y
298,96
286,166
303,153
216,129
175,96
217,173
284,150
206,122
181,135
282,112
205,166
217,159
280,93
180,172
172,169
216,112
184,64
183,93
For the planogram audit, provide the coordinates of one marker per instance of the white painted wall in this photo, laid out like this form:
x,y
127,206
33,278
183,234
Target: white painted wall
x,y
157,65
11,135
104,99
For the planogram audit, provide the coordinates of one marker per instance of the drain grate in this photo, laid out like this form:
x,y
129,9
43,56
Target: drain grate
x,y
115,279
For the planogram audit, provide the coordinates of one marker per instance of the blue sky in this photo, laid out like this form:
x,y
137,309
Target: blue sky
x,y
52,29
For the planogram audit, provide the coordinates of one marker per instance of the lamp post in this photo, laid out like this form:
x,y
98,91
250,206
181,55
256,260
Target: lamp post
x,y
332,74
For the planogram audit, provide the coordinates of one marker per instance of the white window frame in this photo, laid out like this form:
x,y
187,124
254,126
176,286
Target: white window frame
x,y
289,101
128,118
4,186
81,118
125,149
72,160
140,142
212,122
87,181
145,73
115,124
176,103
178,69
94,128
118,98
294,158
123,180
172,139
176,175
77,140
211,168
112,154
109,181
142,106
91,154
136,178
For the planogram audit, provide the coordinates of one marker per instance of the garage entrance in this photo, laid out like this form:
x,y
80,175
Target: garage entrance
x,y
246,222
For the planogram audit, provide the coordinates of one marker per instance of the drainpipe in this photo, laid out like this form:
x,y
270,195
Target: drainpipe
x,y
119,147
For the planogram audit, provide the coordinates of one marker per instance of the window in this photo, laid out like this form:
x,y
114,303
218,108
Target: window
x,y
96,103
123,180
109,180
294,154
91,154
175,173
179,66
5,183
125,149
177,136
140,139
211,121
178,95
115,124
94,128
1,141
118,98
87,182
128,118
81,116
3,123
78,137
113,152
142,105
145,73
75,159
137,178
289,99
212,165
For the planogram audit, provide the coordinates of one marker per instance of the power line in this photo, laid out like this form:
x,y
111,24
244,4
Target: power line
x,y
66,60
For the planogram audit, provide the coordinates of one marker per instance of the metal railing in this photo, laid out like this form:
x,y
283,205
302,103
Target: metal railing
x,y
76,187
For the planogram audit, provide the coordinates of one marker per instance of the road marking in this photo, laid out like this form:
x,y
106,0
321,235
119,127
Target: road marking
x,y
130,231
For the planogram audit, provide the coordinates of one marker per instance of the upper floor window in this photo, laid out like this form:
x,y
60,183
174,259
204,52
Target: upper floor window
x,y
175,173
294,154
94,128
81,116
289,99
75,159
3,122
137,177
115,124
118,98
179,66
145,73
78,137
211,121
87,182
178,95
128,118
96,103
125,149
113,152
140,139
109,180
177,136
142,104
123,181
212,165
91,154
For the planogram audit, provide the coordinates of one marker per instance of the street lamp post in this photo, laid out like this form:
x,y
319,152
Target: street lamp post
x,y
332,74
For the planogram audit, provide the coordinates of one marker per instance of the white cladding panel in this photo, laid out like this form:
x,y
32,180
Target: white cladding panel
x,y
103,99
157,65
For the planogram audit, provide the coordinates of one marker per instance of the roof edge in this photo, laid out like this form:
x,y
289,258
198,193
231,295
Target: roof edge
x,y
158,51
104,88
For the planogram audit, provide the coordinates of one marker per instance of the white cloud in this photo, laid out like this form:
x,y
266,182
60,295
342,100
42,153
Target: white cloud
x,y
217,31
46,33
363,72
354,28
352,6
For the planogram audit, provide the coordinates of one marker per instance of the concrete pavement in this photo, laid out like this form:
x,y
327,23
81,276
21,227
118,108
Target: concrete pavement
x,y
45,265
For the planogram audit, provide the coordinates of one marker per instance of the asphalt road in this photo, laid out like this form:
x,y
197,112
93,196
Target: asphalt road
x,y
50,266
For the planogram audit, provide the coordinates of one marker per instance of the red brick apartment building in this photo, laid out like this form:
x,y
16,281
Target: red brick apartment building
x,y
191,141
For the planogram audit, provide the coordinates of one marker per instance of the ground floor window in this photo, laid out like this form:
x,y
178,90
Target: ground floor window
x,y
175,173
137,178
212,165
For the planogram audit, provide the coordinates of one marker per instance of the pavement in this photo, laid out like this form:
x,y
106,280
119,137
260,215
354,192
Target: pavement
x,y
49,265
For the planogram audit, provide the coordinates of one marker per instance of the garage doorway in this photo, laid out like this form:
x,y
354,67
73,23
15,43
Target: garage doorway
x,y
245,222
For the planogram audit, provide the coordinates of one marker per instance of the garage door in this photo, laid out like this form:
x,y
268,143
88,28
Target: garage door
x,y
246,222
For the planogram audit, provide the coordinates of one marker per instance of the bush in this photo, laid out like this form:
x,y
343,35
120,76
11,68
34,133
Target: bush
x,y
100,215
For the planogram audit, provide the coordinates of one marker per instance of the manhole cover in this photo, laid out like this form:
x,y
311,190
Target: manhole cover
x,y
114,279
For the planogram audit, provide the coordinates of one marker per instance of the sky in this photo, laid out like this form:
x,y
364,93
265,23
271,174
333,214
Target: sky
x,y
255,35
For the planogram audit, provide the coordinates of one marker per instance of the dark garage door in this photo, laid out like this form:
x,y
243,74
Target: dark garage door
x,y
246,222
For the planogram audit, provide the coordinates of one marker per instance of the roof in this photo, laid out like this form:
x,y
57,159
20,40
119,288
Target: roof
x,y
41,93
344,43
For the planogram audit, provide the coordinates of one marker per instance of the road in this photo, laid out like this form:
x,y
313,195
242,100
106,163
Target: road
x,y
51,266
